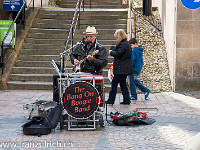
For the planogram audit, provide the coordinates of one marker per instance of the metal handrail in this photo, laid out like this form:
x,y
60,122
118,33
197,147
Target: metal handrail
x,y
146,19
71,32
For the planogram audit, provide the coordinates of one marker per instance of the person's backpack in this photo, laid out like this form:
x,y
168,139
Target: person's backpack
x,y
40,125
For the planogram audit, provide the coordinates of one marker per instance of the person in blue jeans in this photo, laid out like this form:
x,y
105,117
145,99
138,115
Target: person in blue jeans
x,y
137,60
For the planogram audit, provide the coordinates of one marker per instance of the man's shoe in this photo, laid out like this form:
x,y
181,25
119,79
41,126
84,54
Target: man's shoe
x,y
106,102
146,94
133,98
125,103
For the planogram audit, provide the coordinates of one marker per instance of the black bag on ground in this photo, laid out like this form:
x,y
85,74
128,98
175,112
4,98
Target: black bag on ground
x,y
40,125
129,120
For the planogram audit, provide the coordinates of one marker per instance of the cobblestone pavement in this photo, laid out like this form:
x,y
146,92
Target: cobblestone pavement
x,y
177,118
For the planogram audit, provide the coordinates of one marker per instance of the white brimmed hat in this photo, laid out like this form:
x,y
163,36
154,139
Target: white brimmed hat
x,y
90,30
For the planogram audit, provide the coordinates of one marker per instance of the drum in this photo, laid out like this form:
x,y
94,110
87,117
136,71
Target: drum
x,y
99,85
81,100
98,79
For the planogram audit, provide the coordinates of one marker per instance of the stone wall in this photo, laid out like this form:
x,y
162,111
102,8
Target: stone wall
x,y
188,48
155,72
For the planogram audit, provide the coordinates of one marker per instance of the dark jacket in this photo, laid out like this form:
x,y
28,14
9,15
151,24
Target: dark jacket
x,y
137,59
122,58
100,59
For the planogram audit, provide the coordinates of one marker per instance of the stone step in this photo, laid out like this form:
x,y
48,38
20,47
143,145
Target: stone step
x,y
100,31
22,63
105,17
40,51
64,36
39,77
46,57
49,31
42,46
88,2
102,21
48,51
107,26
45,36
51,25
54,16
52,21
43,70
32,77
45,41
51,46
33,70
13,85
109,6
63,41
93,12
38,57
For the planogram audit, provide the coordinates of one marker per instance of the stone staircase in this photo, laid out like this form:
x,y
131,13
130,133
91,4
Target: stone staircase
x,y
108,4
44,42
47,37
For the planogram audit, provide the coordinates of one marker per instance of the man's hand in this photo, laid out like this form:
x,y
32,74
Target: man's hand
x,y
110,51
76,61
90,57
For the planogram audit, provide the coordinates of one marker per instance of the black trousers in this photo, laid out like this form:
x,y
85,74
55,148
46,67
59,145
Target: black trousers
x,y
121,79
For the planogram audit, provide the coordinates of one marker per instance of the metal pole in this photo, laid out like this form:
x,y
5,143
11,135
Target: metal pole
x,y
1,54
33,4
24,16
83,5
41,3
72,38
79,17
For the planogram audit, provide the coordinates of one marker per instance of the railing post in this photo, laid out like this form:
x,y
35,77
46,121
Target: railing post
x,y
83,5
33,4
130,28
72,38
24,16
1,55
41,3
79,17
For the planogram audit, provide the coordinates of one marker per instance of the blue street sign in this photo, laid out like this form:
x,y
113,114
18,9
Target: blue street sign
x,y
191,4
12,5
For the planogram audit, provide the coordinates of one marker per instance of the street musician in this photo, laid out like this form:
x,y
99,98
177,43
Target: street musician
x,y
89,56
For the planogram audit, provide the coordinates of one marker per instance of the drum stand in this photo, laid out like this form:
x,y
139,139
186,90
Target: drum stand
x,y
73,123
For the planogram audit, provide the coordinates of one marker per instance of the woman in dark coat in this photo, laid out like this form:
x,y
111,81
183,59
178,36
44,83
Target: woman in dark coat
x,y
122,67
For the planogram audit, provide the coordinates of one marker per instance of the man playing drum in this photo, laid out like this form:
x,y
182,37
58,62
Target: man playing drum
x,y
89,56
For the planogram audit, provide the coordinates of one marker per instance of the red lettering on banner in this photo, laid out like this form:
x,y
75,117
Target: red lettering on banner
x,y
73,102
82,109
69,96
77,89
76,109
88,94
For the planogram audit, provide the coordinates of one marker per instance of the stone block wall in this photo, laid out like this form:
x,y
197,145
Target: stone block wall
x,y
187,48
